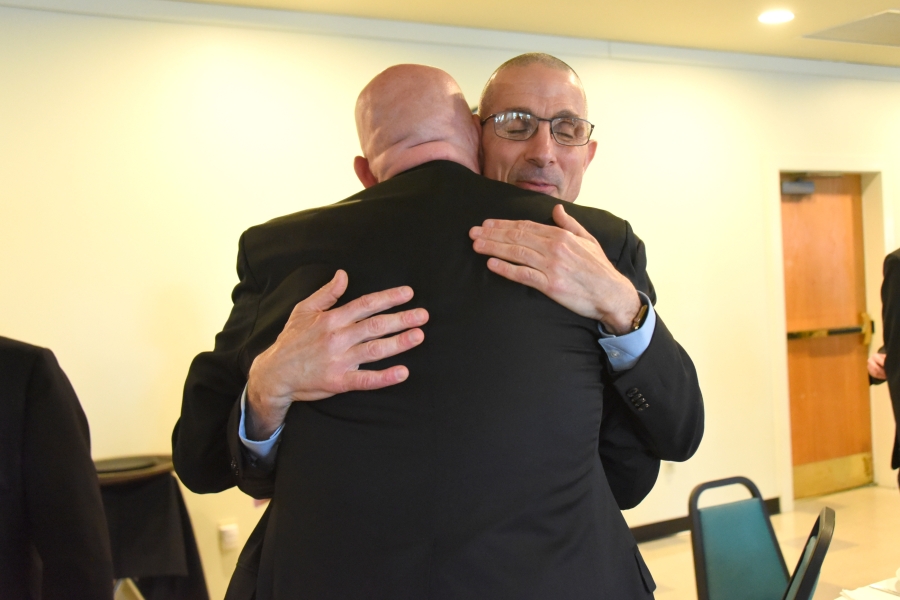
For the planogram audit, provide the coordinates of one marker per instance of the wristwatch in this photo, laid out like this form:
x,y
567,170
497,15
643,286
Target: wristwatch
x,y
639,317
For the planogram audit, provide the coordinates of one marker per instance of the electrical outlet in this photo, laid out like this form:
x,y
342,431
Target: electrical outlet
x,y
229,536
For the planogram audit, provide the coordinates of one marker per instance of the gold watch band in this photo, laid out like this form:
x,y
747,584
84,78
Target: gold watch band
x,y
639,317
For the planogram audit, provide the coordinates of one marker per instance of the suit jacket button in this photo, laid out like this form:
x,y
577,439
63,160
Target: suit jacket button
x,y
630,393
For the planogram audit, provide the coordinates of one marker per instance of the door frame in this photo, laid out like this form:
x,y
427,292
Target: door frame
x,y
878,237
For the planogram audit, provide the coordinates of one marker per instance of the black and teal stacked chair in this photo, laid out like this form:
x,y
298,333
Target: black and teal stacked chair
x,y
736,553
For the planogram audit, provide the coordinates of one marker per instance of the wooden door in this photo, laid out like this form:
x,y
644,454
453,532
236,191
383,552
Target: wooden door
x,y
827,341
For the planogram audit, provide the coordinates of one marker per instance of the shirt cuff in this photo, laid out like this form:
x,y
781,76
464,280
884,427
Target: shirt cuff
x,y
262,451
624,351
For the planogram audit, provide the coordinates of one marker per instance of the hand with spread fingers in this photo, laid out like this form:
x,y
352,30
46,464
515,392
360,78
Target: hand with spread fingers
x,y
319,352
566,263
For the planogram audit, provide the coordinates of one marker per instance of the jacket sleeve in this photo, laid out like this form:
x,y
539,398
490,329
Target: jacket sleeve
x,y
631,468
62,493
251,477
662,390
214,384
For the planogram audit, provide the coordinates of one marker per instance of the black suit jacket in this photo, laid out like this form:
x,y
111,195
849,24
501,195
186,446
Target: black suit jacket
x,y
53,537
480,475
890,317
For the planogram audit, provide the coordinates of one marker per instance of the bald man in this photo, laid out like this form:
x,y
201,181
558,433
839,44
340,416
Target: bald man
x,y
471,470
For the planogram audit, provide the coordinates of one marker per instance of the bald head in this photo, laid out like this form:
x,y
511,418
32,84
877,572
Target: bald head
x,y
409,115
523,61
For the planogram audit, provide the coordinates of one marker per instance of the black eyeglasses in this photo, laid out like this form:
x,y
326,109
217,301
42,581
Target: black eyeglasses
x,y
519,126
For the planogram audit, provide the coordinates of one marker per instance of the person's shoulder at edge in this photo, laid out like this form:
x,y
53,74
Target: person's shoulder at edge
x,y
11,344
892,257
14,349
890,268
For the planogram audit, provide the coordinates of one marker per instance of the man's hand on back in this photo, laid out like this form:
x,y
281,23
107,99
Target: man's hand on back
x,y
319,352
566,263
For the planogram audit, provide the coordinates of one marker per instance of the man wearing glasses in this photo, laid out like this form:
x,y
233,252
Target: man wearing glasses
x,y
650,371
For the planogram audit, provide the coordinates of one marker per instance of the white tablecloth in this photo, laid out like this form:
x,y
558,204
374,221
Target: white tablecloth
x,y
870,593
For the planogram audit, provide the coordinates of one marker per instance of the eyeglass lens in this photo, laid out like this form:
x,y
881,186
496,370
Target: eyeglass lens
x,y
521,126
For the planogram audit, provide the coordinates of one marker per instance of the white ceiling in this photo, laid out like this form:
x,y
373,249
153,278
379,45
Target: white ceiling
x,y
727,25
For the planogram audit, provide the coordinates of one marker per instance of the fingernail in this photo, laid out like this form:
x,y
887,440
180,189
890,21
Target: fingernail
x,y
488,223
476,230
479,244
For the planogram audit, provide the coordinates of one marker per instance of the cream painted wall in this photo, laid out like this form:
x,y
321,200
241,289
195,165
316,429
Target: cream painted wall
x,y
135,149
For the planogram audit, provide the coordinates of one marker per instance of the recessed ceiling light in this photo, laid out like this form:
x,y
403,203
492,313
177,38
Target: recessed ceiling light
x,y
773,17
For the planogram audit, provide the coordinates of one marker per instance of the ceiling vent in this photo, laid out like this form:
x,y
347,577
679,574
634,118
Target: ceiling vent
x,y
882,29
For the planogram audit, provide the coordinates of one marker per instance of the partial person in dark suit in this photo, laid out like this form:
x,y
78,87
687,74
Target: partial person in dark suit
x,y
53,537
479,475
885,364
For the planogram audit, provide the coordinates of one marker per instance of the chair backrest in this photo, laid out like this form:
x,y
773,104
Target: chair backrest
x,y
736,553
806,574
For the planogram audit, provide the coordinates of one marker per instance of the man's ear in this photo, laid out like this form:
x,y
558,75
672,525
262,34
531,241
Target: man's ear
x,y
361,166
591,150
478,128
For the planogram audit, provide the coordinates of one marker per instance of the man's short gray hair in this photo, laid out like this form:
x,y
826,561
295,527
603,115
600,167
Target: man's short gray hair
x,y
521,61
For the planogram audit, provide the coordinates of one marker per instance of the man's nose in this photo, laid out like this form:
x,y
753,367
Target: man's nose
x,y
541,149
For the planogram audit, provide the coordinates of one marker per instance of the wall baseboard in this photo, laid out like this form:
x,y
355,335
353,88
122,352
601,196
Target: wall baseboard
x,y
661,529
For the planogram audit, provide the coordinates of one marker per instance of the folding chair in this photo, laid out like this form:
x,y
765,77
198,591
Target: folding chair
x,y
736,553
